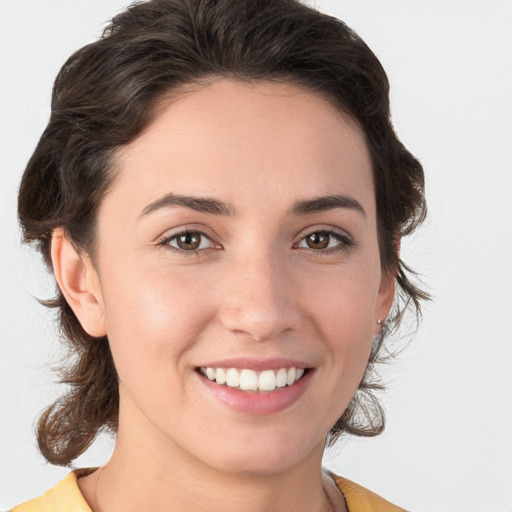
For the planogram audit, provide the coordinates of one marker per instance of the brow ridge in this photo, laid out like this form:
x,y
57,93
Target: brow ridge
x,y
200,204
325,203
216,207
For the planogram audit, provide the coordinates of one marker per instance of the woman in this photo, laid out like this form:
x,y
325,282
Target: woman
x,y
220,195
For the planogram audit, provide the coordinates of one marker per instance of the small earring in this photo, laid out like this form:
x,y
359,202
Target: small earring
x,y
379,321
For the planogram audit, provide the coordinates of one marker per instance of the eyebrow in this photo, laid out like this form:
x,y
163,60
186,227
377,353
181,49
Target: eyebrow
x,y
325,203
216,207
200,204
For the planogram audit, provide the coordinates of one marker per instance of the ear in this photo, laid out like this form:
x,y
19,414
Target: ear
x,y
385,298
386,294
79,283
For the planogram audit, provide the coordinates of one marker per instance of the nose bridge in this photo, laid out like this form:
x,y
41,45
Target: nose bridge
x,y
258,298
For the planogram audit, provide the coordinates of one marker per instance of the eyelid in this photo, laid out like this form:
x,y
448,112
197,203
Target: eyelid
x,y
346,240
164,240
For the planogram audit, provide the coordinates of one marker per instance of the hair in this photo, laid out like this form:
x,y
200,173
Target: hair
x,y
108,92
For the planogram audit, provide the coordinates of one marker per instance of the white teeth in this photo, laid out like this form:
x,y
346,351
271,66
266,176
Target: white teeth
x,y
232,378
220,376
267,380
281,378
250,380
290,378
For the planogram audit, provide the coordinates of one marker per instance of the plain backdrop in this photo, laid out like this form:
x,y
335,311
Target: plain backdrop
x,y
448,443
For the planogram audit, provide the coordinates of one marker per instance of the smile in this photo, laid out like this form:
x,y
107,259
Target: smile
x,y
250,380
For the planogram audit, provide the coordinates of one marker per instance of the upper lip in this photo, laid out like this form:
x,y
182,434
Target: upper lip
x,y
256,364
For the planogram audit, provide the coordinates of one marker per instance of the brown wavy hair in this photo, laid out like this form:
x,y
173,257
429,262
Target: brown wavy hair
x,y
108,92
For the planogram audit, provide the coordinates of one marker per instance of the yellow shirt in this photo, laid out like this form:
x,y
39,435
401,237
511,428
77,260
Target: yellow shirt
x,y
66,497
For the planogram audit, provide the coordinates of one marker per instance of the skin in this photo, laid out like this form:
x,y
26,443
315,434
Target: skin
x,y
255,289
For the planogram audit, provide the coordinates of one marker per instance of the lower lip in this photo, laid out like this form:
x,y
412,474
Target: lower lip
x,y
259,403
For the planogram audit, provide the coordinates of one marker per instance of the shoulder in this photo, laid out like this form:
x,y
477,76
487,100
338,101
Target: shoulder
x,y
64,497
360,499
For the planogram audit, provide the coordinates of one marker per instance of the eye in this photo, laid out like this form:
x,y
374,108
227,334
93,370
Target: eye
x,y
189,241
325,240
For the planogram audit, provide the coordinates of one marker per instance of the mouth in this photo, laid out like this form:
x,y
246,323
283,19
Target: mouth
x,y
245,379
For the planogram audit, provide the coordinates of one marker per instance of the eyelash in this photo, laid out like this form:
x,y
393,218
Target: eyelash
x,y
345,242
166,242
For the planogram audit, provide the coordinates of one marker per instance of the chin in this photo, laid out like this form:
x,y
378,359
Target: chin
x,y
265,454
244,464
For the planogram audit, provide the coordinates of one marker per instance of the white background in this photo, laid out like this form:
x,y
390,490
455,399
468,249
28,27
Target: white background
x,y
448,445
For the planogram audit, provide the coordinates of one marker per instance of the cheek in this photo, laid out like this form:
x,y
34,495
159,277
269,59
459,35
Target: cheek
x,y
153,315
349,338
342,307
343,300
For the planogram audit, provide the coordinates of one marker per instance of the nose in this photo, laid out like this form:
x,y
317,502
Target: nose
x,y
259,299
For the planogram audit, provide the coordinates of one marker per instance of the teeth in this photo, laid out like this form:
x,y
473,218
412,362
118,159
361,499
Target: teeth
x,y
220,376
281,377
232,378
249,380
290,377
267,381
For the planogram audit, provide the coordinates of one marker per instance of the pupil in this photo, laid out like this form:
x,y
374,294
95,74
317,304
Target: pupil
x,y
188,241
318,241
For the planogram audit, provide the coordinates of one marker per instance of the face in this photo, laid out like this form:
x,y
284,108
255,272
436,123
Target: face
x,y
239,242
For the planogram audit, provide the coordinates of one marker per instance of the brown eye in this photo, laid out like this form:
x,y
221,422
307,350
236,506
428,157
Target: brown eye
x,y
189,241
318,240
326,241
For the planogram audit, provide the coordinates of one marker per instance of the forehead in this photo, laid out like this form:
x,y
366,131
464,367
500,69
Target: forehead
x,y
244,141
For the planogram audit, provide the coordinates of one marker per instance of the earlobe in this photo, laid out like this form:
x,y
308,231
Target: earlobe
x,y
78,281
